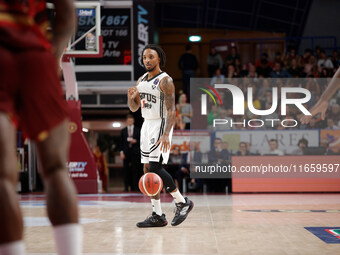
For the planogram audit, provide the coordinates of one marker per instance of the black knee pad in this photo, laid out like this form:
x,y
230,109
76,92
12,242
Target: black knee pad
x,y
157,168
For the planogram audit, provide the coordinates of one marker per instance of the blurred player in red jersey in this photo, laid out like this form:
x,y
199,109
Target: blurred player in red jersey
x,y
31,92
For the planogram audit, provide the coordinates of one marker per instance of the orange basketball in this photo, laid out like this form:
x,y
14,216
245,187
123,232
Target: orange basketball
x,y
150,184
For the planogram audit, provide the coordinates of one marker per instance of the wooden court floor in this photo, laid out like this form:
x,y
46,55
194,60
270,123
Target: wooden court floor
x,y
219,224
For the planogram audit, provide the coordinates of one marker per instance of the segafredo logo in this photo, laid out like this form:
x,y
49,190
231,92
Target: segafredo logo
x,y
239,100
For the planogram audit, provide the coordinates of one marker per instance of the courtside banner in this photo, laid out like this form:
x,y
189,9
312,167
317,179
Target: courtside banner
x,y
256,130
332,138
259,140
201,140
143,20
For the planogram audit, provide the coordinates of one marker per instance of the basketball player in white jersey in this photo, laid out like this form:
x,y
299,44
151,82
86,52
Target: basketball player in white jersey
x,y
322,104
155,94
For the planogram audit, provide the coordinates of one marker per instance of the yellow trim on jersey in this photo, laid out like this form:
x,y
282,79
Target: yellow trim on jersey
x,y
17,19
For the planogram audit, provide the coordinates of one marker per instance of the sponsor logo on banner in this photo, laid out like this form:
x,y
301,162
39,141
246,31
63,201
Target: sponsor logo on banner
x,y
184,139
76,166
85,12
77,169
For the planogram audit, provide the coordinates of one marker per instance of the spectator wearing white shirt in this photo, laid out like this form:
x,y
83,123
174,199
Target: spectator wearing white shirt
x,y
273,148
324,61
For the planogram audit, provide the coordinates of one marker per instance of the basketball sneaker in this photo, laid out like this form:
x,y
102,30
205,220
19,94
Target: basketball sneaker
x,y
182,211
153,220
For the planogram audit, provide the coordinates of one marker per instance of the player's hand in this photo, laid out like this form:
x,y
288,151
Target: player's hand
x,y
165,143
320,107
132,92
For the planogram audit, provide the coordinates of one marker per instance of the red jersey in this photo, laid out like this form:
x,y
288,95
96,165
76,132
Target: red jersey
x,y
23,23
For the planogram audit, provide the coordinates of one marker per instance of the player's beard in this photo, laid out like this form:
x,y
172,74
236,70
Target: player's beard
x,y
151,69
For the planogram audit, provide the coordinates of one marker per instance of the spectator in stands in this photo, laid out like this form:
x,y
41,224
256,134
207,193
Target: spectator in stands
x,y
278,58
267,99
274,115
259,62
188,64
232,57
278,72
306,55
218,78
335,59
261,92
294,70
334,114
324,143
217,154
231,72
214,62
225,147
273,148
175,164
224,116
317,52
243,150
291,56
303,143
311,67
213,114
264,69
184,111
331,125
324,61
252,71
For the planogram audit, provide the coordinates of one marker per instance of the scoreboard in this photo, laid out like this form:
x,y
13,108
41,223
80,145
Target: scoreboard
x,y
116,32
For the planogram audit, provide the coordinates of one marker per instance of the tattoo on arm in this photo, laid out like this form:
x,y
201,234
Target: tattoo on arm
x,y
168,88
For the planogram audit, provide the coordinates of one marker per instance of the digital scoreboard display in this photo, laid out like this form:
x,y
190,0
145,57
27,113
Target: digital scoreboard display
x,y
116,32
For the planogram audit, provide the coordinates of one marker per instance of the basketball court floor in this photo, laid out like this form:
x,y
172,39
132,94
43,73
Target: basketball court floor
x,y
219,224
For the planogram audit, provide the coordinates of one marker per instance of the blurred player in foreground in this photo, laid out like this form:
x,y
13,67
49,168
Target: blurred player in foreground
x,y
322,105
155,94
30,92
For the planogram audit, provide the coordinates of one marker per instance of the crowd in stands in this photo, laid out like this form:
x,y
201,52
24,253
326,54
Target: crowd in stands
x,y
262,76
281,70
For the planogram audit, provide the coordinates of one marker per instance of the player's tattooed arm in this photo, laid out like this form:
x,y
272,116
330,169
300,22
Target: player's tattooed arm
x,y
168,88
133,97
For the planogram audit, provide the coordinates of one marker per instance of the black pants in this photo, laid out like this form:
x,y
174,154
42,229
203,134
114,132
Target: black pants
x,y
132,172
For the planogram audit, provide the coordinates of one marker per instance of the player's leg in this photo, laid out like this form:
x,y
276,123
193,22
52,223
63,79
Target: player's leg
x,y
183,205
62,207
157,219
10,214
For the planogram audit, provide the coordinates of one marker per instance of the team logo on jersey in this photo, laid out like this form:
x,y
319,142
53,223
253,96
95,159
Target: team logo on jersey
x,y
152,141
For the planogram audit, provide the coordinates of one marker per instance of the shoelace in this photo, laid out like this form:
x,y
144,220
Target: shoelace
x,y
178,208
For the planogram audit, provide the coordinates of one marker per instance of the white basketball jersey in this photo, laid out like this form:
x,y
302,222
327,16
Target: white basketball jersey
x,y
152,97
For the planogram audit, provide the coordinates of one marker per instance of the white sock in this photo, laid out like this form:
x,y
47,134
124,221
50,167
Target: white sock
x,y
156,206
68,239
178,197
13,248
